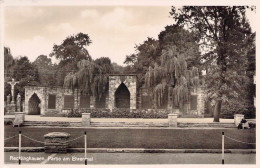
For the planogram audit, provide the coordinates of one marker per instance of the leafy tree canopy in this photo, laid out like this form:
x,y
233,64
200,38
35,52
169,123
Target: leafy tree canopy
x,y
177,72
70,52
91,78
224,32
24,72
46,70
8,61
72,48
172,61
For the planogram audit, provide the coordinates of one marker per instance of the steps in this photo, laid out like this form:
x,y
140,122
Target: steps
x,y
46,123
128,124
207,125
94,124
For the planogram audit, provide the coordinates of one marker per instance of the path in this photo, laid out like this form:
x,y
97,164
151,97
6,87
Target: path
x,y
66,119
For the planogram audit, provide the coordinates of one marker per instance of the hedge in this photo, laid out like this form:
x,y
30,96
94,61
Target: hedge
x,y
119,113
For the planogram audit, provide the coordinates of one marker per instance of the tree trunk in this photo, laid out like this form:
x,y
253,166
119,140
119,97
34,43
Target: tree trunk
x,y
217,111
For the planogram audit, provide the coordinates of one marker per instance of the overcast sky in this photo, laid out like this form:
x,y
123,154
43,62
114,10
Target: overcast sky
x,y
32,30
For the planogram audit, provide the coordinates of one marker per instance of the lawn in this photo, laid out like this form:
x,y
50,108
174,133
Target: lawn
x,y
139,138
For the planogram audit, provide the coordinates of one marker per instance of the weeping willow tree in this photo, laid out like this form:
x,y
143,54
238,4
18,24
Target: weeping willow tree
x,y
172,78
168,66
91,78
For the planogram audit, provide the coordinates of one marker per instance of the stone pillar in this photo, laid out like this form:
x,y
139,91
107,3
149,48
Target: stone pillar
x,y
19,118
56,142
131,85
238,118
111,93
107,101
172,119
85,119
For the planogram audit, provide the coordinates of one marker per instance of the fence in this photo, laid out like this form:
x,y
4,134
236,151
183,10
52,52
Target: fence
x,y
233,139
85,143
25,136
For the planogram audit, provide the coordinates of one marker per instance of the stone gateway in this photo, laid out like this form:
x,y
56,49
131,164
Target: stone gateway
x,y
122,91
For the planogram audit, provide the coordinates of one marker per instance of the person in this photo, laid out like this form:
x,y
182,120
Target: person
x,y
243,124
8,99
18,99
18,102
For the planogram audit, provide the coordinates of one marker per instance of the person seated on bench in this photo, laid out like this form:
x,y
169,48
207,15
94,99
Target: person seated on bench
x,y
243,124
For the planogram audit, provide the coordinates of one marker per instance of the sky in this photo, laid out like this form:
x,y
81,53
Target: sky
x,y
114,30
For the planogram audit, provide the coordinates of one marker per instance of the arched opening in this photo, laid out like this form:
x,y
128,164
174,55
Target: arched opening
x,y
122,97
34,105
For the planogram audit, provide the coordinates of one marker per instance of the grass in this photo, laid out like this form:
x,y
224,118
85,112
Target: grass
x,y
139,138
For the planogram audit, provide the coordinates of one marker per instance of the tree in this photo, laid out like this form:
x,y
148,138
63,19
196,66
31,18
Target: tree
x,y
26,73
46,70
8,65
72,48
42,61
224,33
117,69
8,61
176,74
91,78
183,41
146,55
130,59
70,52
251,72
168,66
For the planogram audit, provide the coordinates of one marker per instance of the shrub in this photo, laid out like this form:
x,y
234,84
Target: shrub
x,y
120,113
237,106
252,125
8,122
74,113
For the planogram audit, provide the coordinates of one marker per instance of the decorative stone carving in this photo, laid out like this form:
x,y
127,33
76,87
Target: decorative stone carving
x,y
12,83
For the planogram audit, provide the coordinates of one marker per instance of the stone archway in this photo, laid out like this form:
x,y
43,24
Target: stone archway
x,y
122,97
128,81
34,105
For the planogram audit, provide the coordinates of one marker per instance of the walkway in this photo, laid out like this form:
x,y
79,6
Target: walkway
x,y
66,119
